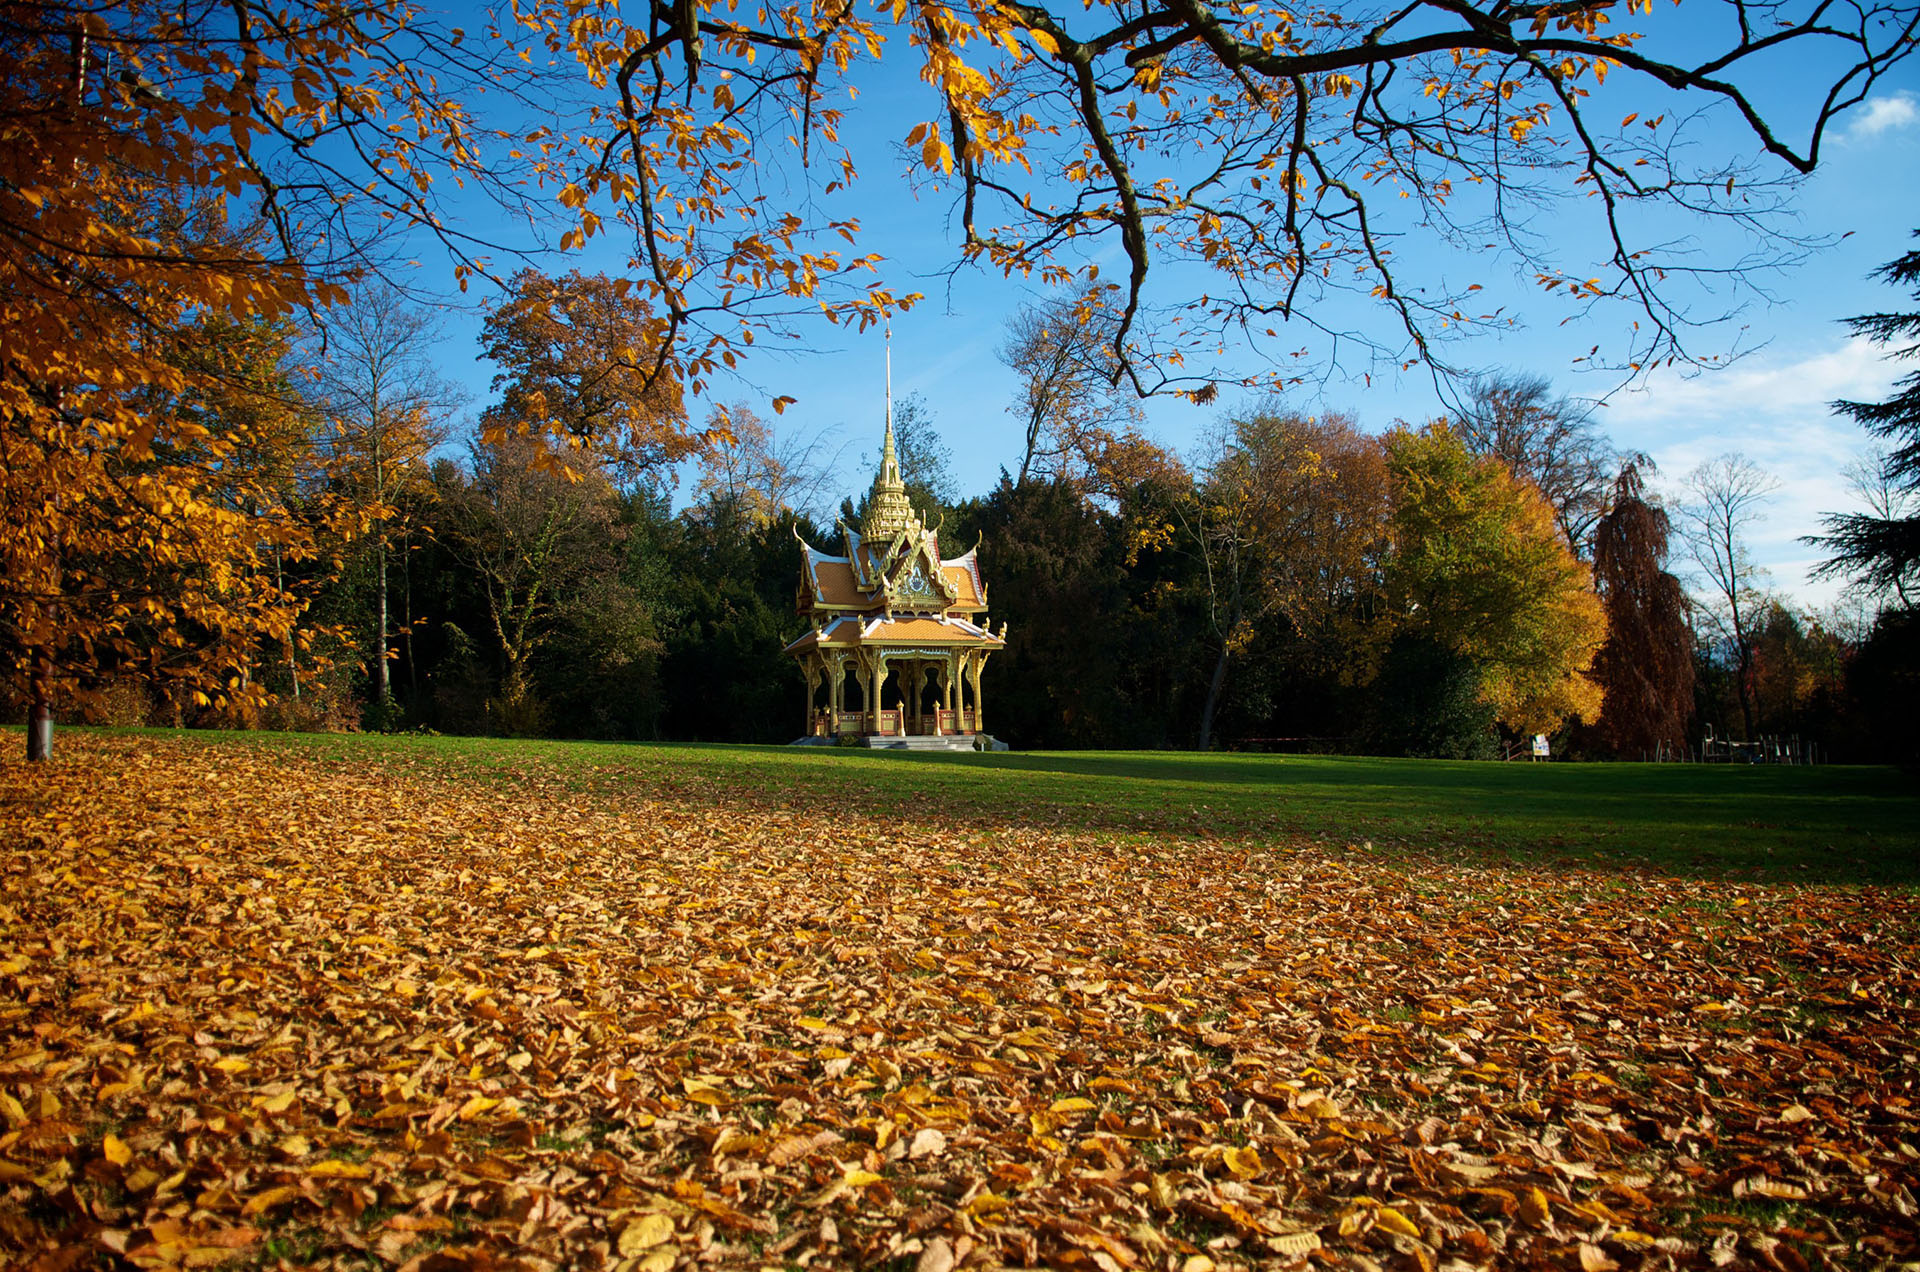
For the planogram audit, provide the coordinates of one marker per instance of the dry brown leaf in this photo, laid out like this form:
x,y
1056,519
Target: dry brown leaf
x,y
936,1257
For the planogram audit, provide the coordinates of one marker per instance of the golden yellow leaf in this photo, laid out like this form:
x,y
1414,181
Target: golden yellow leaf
x,y
986,1203
115,1151
1321,1107
644,1232
475,1106
1243,1162
262,1202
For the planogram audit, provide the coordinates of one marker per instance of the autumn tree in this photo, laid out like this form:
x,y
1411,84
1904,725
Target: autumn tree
x,y
574,354
1249,166
164,559
165,171
1479,569
1292,520
534,523
1550,441
749,475
1880,547
388,407
1799,664
1724,498
1645,669
1069,402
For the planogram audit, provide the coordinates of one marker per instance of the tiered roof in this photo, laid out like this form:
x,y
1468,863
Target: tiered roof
x,y
891,586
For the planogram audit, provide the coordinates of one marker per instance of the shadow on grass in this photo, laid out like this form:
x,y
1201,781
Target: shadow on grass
x,y
1829,825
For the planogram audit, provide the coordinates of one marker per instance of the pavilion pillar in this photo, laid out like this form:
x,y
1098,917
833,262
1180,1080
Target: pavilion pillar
x,y
960,691
863,672
813,668
979,707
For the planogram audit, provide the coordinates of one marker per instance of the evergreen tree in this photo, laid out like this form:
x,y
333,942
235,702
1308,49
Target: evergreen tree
x,y
1883,552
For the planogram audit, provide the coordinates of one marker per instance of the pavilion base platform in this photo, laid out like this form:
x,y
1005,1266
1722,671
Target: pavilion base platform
x,y
918,742
914,742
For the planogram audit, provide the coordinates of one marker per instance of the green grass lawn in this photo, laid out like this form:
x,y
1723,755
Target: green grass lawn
x,y
1829,825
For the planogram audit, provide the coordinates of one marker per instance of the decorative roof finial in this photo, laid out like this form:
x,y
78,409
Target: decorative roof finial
x,y
888,510
889,458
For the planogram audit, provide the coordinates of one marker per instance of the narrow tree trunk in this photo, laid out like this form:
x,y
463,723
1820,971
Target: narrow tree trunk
x,y
293,664
381,686
406,600
1743,673
1213,697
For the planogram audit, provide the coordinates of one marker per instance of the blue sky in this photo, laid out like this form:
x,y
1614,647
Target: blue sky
x,y
1770,403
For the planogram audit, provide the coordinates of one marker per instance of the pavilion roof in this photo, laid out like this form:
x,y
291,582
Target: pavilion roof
x,y
835,581
946,631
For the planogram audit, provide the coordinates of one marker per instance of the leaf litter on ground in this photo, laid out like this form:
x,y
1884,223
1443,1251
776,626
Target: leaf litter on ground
x,y
262,1009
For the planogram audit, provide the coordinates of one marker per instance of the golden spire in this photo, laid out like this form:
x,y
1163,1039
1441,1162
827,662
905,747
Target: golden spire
x,y
888,510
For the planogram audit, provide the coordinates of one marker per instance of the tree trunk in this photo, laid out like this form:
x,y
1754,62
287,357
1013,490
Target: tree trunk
x,y
1213,697
1743,676
382,690
293,664
406,597
39,723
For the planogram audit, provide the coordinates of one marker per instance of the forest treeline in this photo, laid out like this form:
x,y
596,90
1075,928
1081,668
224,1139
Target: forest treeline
x,y
1301,581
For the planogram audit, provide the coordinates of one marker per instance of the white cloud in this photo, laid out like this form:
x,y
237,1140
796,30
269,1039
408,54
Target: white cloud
x,y
1884,114
1774,408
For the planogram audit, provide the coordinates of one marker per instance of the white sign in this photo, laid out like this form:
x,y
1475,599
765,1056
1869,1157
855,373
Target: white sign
x,y
1540,748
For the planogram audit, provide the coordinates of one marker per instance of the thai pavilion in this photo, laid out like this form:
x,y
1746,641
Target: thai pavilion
x,y
898,633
